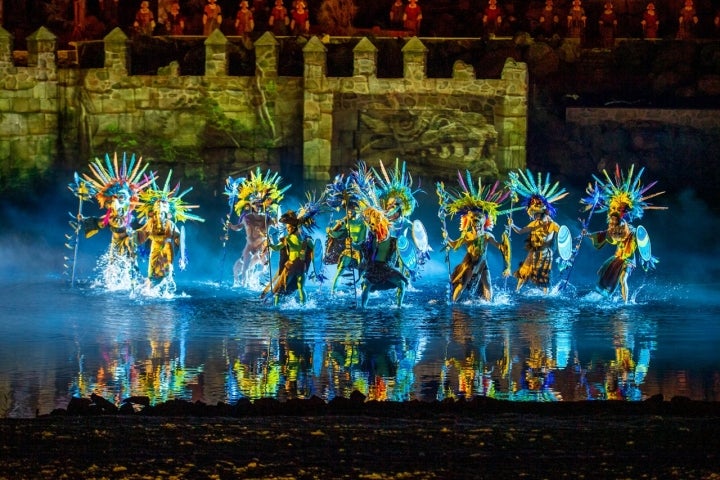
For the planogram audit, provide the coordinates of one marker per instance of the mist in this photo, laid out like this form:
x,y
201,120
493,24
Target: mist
x,y
33,237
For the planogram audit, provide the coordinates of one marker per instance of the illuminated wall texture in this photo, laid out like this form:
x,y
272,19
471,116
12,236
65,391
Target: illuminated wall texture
x,y
208,125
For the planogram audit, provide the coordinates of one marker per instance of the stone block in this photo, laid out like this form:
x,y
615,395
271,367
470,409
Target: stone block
x,y
512,131
13,125
510,106
25,105
463,71
511,158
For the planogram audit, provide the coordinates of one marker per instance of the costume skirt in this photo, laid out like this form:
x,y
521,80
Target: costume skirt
x,y
536,267
381,276
286,281
610,271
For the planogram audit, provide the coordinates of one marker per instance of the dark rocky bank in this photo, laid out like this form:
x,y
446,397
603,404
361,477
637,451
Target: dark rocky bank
x,y
352,438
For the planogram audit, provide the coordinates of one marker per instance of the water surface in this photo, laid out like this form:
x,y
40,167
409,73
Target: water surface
x,y
212,342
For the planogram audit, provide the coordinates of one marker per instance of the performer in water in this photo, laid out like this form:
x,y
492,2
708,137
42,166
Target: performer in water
x,y
117,187
396,198
257,203
296,252
379,273
625,200
160,210
538,196
347,237
478,209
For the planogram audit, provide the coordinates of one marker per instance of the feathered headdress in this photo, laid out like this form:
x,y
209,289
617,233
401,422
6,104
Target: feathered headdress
x,y
525,185
394,192
259,193
179,210
623,195
305,216
352,192
469,199
109,179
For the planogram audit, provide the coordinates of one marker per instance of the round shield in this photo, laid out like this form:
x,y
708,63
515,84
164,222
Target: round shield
x,y
564,243
406,250
419,236
643,243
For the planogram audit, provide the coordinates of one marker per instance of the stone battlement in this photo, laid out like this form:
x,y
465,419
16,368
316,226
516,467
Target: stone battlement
x,y
315,124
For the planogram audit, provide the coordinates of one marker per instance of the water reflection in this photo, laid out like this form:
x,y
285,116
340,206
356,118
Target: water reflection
x,y
213,344
124,366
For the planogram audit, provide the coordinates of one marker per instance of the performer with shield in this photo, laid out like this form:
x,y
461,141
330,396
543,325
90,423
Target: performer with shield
x,y
380,273
348,195
396,198
297,252
625,200
478,209
538,196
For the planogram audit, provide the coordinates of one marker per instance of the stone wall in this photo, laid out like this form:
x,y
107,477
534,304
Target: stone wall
x,y
440,125
217,124
29,108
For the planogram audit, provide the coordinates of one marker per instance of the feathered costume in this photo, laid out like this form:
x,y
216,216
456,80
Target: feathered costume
x,y
396,197
346,238
538,196
394,192
257,203
160,209
117,187
624,198
296,250
379,273
478,208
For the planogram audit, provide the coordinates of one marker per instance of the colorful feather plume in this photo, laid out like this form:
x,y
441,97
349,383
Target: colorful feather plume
x,y
258,193
394,191
524,184
108,179
357,190
307,212
476,199
623,194
179,210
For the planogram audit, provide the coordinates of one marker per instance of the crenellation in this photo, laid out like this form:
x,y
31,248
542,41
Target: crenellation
x,y
6,48
365,58
472,119
414,60
267,53
463,72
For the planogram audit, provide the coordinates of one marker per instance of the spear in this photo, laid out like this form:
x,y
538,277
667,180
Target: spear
x,y
511,184
570,262
352,255
267,246
231,189
442,215
83,190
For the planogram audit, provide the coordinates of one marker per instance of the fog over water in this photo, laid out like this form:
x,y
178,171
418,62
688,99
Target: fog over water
x,y
32,236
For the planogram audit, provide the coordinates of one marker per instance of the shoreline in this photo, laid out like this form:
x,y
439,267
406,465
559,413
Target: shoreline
x,y
350,438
